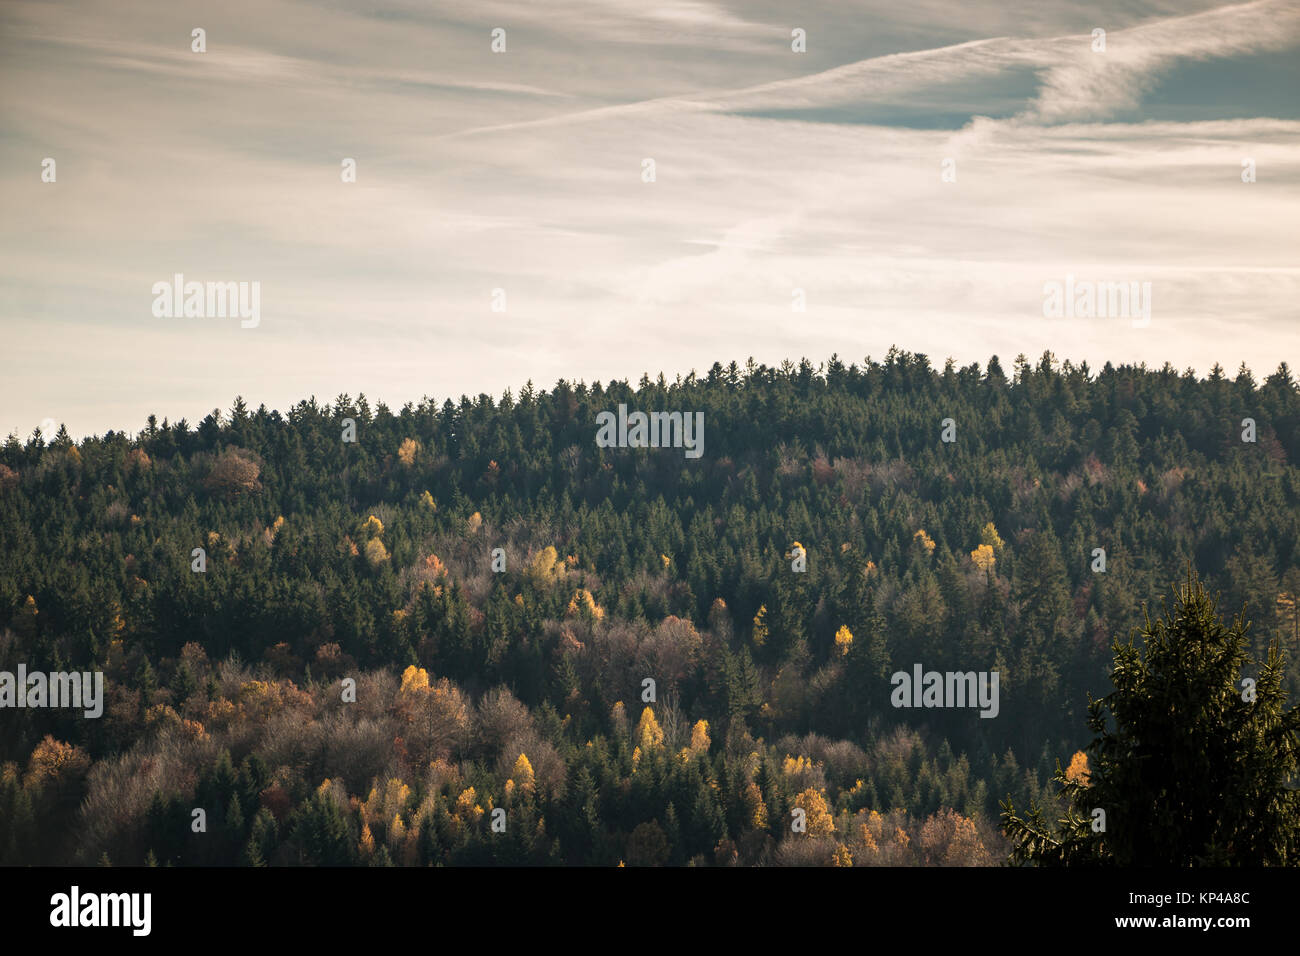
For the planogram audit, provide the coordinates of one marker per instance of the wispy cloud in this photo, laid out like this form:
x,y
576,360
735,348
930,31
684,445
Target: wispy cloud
x,y
522,172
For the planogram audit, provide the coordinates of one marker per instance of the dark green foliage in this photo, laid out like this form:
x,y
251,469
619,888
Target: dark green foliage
x,y
679,554
1194,765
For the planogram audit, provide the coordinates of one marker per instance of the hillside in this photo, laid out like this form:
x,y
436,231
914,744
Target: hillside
x,y
498,586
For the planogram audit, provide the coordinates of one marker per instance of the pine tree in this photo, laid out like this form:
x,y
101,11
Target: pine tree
x,y
252,854
1197,768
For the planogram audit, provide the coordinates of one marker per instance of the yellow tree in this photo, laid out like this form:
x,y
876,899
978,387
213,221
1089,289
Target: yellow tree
x,y
984,558
817,814
1077,772
649,734
414,679
844,639
467,807
522,774
545,567
408,450
700,737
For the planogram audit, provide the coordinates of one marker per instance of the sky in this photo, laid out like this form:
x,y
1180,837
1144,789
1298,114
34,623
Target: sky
x,y
921,173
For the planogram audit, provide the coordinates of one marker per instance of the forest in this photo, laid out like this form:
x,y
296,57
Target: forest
x,y
467,633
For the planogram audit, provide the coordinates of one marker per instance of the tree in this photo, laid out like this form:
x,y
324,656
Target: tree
x,y
818,818
376,553
983,558
234,473
1197,768
1105,484
322,833
647,845
523,774
649,735
759,632
989,536
700,737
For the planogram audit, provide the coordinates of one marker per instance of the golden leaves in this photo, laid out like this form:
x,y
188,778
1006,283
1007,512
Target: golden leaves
x,y
522,774
414,679
796,766
1078,771
582,601
467,807
545,568
649,734
407,451
700,742
53,759
844,639
983,558
816,812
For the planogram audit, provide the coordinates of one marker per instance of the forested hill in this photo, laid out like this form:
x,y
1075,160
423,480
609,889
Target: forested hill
x,y
326,558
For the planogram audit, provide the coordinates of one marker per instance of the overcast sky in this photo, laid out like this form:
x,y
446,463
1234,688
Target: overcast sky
x,y
522,171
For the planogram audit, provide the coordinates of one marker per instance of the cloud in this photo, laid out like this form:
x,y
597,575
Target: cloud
x,y
1076,82
1089,85
522,172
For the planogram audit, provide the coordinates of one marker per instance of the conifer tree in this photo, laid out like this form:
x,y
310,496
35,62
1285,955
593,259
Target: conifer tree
x,y
1194,761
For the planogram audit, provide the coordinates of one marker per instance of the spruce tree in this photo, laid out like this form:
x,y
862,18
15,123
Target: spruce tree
x,y
1195,758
